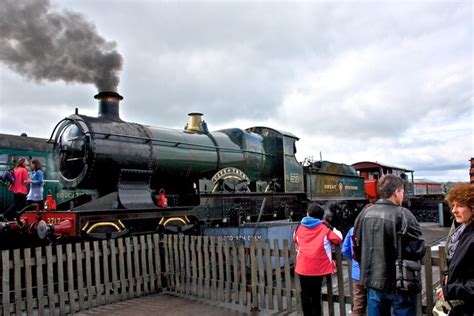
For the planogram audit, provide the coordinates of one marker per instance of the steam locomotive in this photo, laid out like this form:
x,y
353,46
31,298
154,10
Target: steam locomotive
x,y
221,178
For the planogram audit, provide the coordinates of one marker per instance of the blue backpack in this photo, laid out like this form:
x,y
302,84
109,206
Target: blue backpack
x,y
7,177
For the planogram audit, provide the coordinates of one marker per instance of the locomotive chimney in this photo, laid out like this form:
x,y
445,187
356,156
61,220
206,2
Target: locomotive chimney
x,y
109,105
196,124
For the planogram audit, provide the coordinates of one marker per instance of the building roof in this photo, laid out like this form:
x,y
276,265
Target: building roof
x,y
369,164
24,142
425,181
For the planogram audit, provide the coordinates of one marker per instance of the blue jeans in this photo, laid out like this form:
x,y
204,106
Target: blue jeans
x,y
379,303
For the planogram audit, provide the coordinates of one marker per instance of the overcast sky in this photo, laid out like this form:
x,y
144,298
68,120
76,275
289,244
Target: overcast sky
x,y
356,81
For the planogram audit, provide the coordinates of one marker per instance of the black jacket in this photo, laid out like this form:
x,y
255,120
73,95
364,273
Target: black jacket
x,y
376,235
461,274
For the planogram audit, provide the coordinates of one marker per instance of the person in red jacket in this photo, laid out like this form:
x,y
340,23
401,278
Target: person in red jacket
x,y
19,188
313,239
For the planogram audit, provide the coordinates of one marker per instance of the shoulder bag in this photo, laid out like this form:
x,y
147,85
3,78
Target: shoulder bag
x,y
408,272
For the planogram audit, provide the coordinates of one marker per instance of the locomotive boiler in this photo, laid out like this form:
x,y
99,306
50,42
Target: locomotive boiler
x,y
108,154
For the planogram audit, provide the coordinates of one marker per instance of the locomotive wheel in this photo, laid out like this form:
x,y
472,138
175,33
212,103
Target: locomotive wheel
x,y
176,224
105,230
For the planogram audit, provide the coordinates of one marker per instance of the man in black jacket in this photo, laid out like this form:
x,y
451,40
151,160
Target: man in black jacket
x,y
376,239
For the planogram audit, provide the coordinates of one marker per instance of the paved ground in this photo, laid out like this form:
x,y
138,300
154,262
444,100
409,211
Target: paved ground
x,y
434,235
171,304
165,304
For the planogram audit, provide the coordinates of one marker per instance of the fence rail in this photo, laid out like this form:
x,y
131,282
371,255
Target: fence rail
x,y
64,279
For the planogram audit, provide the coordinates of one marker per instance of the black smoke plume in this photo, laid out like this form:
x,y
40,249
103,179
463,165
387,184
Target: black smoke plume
x,y
45,44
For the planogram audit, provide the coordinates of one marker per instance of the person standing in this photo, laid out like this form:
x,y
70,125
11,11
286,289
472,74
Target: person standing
x,y
35,195
19,188
459,281
359,292
376,238
313,239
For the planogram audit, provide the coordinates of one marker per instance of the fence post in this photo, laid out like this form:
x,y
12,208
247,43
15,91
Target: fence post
x,y
200,277
340,282
253,274
88,262
289,303
50,272
176,266
442,263
136,261
182,263
299,307
80,281
243,274
228,274
220,258
60,267
212,248
158,271
268,263
70,279
428,279
6,282
349,273
235,285
123,280
39,280
97,273
277,255
330,295
207,270
17,271
194,265
28,281
151,268
261,276
145,278
187,257
114,285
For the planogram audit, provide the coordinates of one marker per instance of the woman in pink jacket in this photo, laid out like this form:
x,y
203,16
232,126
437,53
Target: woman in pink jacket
x,y
19,189
313,239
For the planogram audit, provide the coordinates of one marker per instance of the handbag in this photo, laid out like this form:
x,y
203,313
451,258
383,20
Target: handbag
x,y
439,309
407,272
442,307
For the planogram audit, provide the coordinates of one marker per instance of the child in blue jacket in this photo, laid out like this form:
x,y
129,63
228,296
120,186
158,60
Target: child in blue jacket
x,y
359,290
